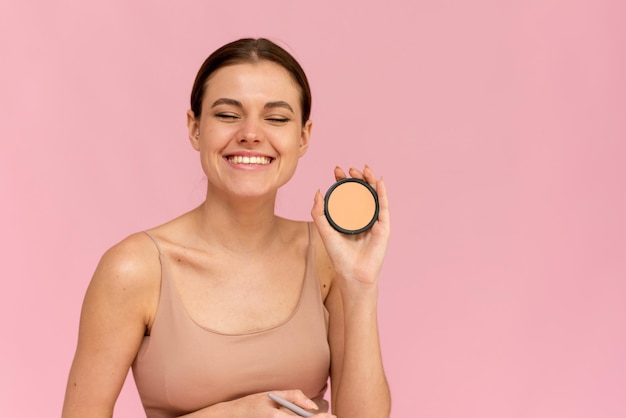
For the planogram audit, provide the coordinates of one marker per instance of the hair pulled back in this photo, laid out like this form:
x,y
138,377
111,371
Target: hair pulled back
x,y
249,50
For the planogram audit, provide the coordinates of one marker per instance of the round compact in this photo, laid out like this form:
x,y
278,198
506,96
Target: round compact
x,y
351,206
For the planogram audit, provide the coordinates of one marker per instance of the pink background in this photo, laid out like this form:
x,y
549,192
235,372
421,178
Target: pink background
x,y
499,126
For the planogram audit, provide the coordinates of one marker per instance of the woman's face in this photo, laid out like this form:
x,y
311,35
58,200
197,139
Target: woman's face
x,y
250,134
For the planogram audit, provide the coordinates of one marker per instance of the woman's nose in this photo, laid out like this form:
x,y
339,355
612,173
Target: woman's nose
x,y
249,137
250,132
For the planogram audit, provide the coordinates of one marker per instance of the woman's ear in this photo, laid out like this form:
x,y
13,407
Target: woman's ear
x,y
304,137
193,126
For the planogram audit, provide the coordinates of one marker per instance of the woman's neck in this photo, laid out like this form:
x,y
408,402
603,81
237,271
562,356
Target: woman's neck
x,y
242,225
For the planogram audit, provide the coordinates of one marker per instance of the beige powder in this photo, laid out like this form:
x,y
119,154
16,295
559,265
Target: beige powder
x,y
351,206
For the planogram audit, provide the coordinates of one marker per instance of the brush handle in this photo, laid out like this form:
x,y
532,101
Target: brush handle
x,y
290,406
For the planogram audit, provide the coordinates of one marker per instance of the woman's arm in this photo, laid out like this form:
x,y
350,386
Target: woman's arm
x,y
118,308
116,312
358,383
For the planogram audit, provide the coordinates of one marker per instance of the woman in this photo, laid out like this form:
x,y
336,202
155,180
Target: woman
x,y
228,302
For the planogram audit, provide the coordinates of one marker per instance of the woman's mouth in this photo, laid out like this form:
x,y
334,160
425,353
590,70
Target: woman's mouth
x,y
249,160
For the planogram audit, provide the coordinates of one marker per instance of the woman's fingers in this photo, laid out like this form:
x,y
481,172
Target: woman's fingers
x,y
368,176
339,173
297,397
354,173
383,201
320,415
319,217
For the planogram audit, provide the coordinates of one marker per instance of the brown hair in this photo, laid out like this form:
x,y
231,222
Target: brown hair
x,y
250,50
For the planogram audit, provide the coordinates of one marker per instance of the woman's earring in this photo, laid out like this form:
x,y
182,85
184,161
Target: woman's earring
x,y
197,133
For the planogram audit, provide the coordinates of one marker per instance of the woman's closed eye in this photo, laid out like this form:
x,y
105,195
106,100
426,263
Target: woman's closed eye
x,y
227,116
277,119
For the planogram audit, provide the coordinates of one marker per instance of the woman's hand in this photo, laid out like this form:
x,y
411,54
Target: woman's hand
x,y
259,405
356,258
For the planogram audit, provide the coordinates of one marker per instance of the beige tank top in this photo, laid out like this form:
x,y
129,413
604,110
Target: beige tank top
x,y
182,367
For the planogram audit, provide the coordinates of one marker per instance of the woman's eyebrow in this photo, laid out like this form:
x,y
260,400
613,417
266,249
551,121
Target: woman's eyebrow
x,y
279,103
237,103
226,101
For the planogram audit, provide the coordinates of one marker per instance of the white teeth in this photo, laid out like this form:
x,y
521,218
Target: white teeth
x,y
240,159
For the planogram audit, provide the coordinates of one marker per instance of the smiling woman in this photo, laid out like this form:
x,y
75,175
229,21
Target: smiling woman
x,y
199,307
250,112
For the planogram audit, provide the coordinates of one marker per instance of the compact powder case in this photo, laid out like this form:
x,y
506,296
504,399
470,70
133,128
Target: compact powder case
x,y
351,206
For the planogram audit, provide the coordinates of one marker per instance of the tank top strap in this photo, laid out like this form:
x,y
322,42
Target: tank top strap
x,y
311,278
156,243
310,256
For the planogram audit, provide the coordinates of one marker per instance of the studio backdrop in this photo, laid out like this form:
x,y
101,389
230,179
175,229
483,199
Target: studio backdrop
x,y
499,128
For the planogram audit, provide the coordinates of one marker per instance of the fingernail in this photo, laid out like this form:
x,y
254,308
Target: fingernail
x,y
311,405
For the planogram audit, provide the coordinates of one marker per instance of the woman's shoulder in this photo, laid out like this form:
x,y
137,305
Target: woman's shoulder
x,y
132,263
133,249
